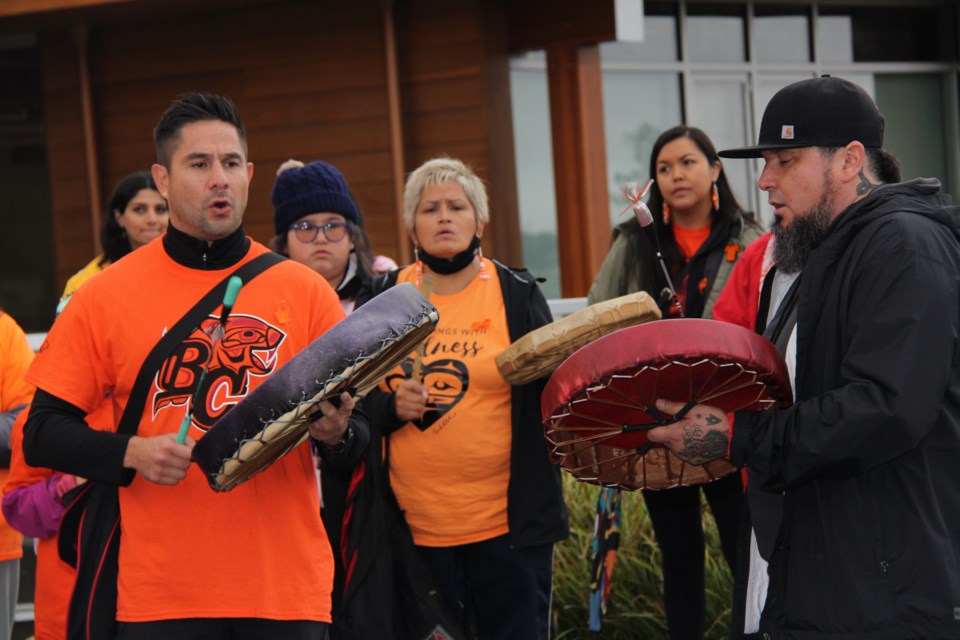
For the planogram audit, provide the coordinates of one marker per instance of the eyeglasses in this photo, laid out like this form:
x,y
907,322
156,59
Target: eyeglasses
x,y
306,231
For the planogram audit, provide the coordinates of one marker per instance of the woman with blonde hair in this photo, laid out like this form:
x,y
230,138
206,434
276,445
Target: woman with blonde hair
x,y
467,458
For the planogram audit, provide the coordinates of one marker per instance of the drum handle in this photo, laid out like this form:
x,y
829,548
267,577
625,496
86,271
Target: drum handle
x,y
229,298
642,213
661,420
426,288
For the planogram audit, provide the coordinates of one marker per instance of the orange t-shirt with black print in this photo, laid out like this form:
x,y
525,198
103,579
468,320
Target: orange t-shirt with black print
x,y
15,358
186,551
450,472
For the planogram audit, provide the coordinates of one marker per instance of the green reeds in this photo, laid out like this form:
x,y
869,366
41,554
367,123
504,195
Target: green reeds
x,y
636,602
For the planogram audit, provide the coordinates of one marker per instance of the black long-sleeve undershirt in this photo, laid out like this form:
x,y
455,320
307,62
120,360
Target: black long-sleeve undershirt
x,y
57,436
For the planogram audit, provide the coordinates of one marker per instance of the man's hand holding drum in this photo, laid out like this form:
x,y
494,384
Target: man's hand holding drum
x,y
700,436
330,423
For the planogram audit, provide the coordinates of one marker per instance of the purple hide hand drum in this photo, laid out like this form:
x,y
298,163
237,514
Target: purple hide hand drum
x,y
354,355
599,403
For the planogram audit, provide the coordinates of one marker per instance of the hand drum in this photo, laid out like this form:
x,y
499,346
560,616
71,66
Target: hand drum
x,y
598,404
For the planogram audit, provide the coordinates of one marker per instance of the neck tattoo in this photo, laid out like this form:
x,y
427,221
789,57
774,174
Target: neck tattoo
x,y
865,185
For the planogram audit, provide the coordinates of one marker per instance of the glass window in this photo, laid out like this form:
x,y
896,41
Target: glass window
x,y
912,106
900,34
534,162
637,107
835,38
660,38
719,104
715,33
781,34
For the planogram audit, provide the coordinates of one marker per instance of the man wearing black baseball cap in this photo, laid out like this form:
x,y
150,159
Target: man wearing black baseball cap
x,y
868,456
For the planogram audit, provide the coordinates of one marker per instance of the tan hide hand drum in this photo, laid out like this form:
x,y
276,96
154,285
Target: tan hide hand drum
x,y
538,353
354,355
598,404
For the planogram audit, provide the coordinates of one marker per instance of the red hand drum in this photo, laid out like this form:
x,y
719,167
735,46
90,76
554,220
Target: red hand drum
x,y
599,403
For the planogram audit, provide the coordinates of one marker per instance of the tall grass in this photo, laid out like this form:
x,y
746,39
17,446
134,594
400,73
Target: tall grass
x,y
636,599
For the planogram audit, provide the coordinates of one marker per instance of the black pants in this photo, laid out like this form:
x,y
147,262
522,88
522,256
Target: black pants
x,y
506,592
223,629
675,515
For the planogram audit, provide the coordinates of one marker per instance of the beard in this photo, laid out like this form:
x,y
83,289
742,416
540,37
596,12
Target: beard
x,y
793,244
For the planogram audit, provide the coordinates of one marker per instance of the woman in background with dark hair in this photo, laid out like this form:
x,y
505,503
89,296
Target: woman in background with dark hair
x,y
702,230
134,215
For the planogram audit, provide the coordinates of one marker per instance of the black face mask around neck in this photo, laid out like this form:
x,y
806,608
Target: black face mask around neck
x,y
447,266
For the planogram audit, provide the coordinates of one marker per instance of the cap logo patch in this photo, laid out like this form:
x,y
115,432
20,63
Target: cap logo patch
x,y
786,132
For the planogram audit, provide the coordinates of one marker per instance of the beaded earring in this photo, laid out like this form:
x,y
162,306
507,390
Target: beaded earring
x,y
666,213
715,197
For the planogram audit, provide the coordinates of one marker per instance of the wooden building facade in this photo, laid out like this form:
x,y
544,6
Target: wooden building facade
x,y
374,87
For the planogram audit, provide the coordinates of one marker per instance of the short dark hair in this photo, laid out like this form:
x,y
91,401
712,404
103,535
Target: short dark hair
x,y
113,239
879,161
188,108
884,164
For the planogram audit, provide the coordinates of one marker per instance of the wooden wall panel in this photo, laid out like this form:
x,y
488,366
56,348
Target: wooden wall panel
x,y
453,69
73,236
310,81
540,24
498,113
26,7
344,104
308,78
579,164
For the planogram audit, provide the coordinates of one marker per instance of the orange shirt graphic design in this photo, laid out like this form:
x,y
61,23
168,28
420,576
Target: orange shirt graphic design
x,y
451,468
248,349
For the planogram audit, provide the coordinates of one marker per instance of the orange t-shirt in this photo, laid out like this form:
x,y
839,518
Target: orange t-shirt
x,y
15,358
689,241
187,551
54,577
451,475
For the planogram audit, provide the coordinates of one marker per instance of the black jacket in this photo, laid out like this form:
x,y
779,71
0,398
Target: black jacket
x,y
536,512
869,455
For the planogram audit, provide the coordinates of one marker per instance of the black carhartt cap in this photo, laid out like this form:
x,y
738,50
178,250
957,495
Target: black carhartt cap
x,y
820,112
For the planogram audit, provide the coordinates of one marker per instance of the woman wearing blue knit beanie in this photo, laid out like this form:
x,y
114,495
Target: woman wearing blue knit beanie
x,y
319,224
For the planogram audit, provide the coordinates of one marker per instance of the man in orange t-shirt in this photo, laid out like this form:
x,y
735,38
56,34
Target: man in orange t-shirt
x,y
15,394
193,563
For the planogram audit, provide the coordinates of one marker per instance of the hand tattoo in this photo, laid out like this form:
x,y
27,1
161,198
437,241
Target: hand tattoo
x,y
699,447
